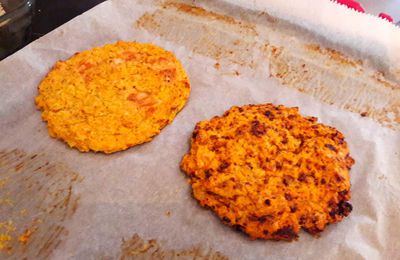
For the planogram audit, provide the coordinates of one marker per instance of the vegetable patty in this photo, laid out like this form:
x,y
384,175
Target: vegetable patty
x,y
110,98
268,171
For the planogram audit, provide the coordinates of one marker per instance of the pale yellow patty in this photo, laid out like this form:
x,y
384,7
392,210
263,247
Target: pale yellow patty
x,y
113,97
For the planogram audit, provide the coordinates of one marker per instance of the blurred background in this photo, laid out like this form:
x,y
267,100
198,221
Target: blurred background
x,y
53,13
22,21
391,7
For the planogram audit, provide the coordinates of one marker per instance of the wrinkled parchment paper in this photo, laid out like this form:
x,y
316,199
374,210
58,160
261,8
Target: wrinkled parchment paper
x,y
142,191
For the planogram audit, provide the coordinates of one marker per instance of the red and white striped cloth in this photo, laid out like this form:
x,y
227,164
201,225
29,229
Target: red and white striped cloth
x,y
358,7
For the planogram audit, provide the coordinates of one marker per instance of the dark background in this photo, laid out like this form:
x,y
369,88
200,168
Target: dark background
x,y
51,14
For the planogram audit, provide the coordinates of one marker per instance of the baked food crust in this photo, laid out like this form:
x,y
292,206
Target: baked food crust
x,y
268,171
110,98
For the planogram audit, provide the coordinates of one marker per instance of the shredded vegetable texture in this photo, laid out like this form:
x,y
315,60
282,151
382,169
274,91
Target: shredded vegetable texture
x,y
110,98
269,172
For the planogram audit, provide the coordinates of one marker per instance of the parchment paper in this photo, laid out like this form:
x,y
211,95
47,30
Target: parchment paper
x,y
142,191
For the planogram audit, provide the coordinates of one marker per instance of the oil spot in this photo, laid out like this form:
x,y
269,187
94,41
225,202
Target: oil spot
x,y
337,79
228,40
201,12
250,39
138,248
334,55
363,114
40,198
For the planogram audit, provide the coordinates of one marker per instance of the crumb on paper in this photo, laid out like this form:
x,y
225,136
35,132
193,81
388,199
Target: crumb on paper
x,y
217,66
6,230
23,212
382,177
168,213
24,238
364,114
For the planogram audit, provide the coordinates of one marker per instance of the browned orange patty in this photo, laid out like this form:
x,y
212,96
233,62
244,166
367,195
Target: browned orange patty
x,y
268,171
